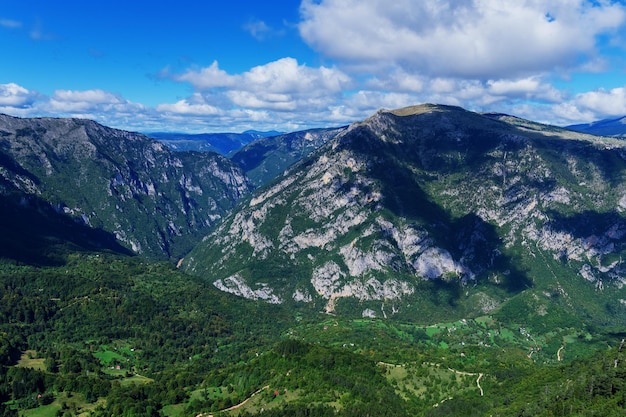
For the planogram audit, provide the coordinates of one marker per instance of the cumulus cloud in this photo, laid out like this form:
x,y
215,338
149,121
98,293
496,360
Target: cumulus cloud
x,y
529,88
591,106
195,106
282,85
481,39
282,95
104,107
484,55
206,78
69,101
607,102
284,76
16,96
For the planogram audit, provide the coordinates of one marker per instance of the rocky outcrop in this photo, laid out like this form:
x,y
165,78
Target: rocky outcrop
x,y
429,194
157,202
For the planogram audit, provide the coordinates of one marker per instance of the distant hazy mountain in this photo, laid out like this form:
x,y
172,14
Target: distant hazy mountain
x,y
440,211
222,143
606,127
265,159
154,201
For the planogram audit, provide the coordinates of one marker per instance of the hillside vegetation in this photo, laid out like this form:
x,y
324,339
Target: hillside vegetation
x,y
109,335
428,261
435,213
153,201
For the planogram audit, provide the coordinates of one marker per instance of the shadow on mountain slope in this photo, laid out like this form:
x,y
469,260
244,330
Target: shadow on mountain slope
x,y
469,237
33,233
589,223
609,162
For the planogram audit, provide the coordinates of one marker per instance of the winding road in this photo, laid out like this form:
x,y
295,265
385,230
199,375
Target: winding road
x,y
480,375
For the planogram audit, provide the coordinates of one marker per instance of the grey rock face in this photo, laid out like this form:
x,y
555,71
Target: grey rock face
x,y
155,201
427,194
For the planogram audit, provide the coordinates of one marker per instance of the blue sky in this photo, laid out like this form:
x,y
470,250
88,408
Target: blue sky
x,y
209,66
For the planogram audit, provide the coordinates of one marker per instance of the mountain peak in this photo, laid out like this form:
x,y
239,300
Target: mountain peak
x,y
423,108
445,212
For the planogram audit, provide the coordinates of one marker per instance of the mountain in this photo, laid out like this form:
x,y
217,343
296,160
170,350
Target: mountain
x,y
222,143
470,265
434,212
262,133
265,159
121,184
606,127
262,155
34,232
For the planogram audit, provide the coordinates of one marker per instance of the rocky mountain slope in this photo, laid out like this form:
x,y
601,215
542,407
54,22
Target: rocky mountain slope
x,y
265,159
152,200
434,210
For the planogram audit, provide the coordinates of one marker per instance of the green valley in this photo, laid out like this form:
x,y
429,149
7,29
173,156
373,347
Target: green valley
x,y
110,335
427,261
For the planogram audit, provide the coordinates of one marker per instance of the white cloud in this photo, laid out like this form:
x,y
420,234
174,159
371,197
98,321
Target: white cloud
x,y
516,87
484,55
609,103
602,103
464,92
287,76
565,113
479,39
282,76
207,78
89,96
99,105
280,86
13,95
76,102
398,80
580,108
365,102
530,88
194,106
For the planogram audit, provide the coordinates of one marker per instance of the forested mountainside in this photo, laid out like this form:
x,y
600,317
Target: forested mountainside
x,y
265,159
106,335
437,209
153,201
427,261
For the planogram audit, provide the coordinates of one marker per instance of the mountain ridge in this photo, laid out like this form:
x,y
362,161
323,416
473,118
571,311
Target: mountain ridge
x,y
426,202
463,263
265,159
152,199
605,127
